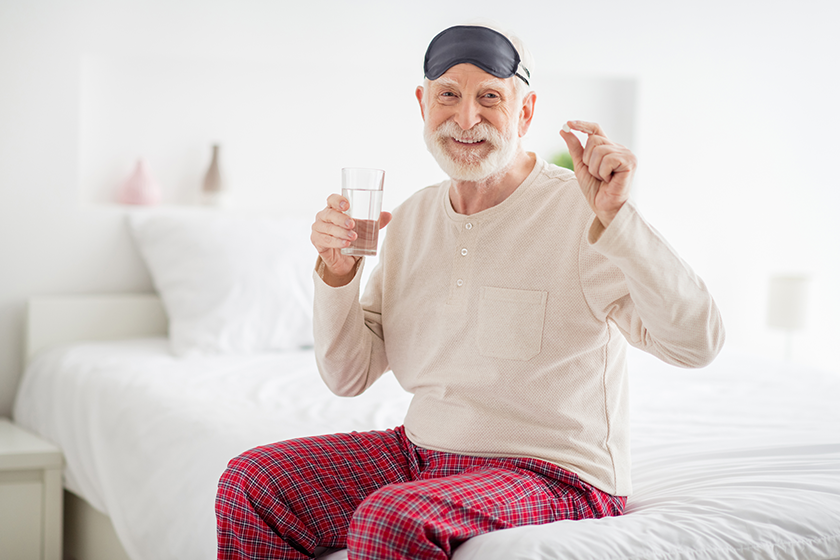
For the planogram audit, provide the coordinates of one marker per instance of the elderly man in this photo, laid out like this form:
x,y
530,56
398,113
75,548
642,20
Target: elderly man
x,y
503,300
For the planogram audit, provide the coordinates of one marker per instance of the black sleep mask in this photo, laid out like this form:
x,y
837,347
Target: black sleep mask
x,y
489,50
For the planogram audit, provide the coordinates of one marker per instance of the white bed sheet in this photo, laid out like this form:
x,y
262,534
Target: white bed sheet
x,y
738,460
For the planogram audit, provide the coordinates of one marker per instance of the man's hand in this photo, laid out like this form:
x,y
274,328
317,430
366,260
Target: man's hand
x,y
604,169
331,232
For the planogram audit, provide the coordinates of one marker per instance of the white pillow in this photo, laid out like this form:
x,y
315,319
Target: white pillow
x,y
230,285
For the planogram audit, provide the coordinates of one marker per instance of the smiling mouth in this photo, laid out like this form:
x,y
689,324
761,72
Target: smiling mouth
x,y
467,141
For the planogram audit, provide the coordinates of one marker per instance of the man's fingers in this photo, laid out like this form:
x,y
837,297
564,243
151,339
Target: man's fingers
x,y
595,138
595,157
608,159
332,216
325,236
332,228
341,226
609,164
590,128
333,241
338,202
574,145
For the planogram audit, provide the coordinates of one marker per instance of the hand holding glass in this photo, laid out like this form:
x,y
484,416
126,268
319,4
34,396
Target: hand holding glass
x,y
363,190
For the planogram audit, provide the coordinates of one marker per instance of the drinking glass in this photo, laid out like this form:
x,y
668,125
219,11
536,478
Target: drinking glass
x,y
362,187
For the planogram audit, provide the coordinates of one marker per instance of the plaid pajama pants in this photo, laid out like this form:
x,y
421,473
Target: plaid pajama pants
x,y
382,497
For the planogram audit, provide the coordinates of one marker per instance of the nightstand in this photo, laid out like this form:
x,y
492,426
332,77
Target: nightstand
x,y
30,495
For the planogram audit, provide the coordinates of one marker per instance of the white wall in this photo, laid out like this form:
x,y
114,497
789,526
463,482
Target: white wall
x,y
736,129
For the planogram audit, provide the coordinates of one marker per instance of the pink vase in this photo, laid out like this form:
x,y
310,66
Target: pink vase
x,y
140,187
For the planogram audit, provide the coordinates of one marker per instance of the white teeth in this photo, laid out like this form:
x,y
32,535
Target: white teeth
x,y
463,141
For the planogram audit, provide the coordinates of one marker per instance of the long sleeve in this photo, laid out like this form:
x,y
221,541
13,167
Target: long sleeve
x,y
349,346
508,326
657,301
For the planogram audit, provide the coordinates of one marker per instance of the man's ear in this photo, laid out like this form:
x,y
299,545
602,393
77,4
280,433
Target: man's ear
x,y
419,94
527,113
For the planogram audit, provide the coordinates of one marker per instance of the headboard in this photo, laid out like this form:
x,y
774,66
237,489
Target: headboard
x,y
52,320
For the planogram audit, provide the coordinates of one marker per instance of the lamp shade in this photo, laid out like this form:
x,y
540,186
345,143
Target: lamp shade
x,y
787,303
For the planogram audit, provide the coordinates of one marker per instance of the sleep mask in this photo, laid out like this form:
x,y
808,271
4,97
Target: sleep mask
x,y
483,47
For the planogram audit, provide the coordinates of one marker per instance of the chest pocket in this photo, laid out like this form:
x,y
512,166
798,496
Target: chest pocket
x,y
510,323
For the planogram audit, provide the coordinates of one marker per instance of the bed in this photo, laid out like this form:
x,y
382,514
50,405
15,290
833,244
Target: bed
x,y
739,460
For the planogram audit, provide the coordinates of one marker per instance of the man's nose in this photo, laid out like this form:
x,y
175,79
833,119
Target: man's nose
x,y
468,114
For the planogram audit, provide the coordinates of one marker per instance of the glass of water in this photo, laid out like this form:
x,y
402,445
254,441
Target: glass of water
x,y
362,187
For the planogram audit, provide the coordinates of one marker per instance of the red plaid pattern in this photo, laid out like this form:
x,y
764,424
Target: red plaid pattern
x,y
385,498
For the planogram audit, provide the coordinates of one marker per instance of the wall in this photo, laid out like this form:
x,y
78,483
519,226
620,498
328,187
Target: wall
x,y
736,128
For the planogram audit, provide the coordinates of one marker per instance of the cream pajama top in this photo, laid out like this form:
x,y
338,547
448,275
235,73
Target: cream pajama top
x,y
509,326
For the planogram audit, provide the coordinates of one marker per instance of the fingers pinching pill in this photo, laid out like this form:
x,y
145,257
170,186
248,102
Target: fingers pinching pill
x,y
566,128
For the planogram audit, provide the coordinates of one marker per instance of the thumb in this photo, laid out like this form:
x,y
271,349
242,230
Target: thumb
x,y
384,219
575,147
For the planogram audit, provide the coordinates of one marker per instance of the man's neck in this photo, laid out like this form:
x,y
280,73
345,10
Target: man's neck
x,y
471,197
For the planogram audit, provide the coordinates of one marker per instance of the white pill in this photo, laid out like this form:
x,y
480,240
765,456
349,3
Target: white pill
x,y
566,128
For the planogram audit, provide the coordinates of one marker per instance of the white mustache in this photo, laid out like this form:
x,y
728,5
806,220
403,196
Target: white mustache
x,y
478,133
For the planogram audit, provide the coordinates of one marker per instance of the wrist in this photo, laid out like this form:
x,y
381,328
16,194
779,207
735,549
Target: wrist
x,y
605,218
337,279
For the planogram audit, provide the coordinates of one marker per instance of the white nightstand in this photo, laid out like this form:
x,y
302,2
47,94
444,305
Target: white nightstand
x,y
30,495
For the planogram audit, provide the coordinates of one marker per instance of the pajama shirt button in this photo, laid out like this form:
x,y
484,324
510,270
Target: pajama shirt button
x,y
468,226
459,283
464,252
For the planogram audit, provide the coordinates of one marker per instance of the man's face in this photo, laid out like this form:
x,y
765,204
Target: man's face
x,y
472,122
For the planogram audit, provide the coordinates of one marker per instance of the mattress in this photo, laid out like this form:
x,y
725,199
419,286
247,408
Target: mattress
x,y
738,460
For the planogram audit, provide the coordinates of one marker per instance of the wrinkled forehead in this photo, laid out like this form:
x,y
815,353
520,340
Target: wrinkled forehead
x,y
482,47
478,80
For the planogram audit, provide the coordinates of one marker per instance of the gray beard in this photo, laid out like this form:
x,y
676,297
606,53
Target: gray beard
x,y
472,168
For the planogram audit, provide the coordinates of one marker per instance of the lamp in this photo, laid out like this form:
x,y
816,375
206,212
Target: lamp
x,y
787,306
